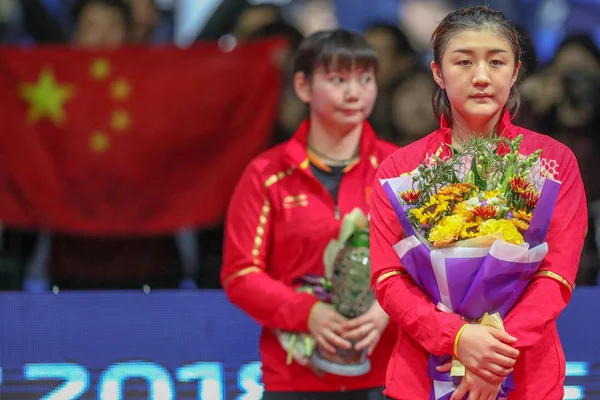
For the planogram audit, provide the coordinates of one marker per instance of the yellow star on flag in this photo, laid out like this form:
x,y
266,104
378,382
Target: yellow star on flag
x,y
100,68
99,142
120,121
120,89
46,97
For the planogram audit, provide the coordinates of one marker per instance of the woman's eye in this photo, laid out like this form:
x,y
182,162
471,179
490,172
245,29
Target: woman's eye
x,y
366,79
464,62
497,63
337,79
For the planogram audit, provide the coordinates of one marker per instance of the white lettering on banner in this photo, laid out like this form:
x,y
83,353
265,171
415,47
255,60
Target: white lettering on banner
x,y
161,386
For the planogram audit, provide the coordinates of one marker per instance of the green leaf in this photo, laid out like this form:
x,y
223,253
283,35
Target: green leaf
x,y
477,180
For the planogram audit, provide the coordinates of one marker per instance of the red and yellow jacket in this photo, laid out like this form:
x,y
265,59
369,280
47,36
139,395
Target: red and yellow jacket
x,y
540,370
279,222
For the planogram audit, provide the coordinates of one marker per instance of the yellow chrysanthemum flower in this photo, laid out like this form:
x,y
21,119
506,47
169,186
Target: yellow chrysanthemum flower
x,y
463,209
447,230
431,210
506,228
491,194
522,215
521,225
455,191
470,230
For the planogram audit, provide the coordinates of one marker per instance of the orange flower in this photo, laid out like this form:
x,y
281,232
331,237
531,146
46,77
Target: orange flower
x,y
410,196
519,184
484,212
530,197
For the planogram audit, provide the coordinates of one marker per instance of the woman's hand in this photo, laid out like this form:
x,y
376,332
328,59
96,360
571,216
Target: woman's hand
x,y
487,352
326,326
367,328
476,387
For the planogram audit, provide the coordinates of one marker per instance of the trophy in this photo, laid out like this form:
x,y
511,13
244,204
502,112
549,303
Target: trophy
x,y
348,264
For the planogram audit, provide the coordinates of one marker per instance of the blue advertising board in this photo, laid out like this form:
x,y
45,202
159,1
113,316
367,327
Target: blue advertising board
x,y
169,345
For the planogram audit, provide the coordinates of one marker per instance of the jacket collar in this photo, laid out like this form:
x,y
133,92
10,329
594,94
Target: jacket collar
x,y
295,148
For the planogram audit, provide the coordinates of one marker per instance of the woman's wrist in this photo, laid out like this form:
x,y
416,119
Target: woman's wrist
x,y
457,338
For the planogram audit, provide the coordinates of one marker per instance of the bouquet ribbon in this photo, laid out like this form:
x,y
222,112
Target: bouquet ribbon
x,y
443,379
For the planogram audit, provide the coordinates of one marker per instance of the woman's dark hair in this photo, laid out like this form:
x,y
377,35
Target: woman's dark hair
x,y
477,18
334,50
120,5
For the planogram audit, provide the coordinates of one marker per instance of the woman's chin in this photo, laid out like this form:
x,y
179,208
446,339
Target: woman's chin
x,y
482,110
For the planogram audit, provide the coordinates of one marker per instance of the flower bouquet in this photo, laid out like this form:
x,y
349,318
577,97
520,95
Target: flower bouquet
x,y
474,226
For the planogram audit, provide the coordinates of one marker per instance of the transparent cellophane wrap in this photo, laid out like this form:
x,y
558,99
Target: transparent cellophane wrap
x,y
300,346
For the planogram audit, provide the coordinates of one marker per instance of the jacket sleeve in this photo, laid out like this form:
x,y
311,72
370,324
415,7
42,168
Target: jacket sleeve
x,y
247,246
398,295
550,291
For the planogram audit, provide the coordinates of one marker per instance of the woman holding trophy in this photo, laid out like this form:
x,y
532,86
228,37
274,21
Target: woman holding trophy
x,y
518,355
289,205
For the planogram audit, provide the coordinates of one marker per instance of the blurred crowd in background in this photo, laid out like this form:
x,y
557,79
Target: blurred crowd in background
x,y
559,83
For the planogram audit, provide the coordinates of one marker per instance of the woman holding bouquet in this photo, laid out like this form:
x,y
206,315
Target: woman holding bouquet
x,y
289,204
476,63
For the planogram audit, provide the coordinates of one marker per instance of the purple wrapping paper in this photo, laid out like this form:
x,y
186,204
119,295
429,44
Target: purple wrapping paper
x,y
472,281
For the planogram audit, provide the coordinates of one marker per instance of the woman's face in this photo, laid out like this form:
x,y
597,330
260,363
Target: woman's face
x,y
340,99
477,72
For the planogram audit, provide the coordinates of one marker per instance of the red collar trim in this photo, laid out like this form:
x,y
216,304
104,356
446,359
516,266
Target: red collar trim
x,y
507,129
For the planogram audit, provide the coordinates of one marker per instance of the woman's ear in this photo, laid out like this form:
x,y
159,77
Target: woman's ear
x,y
437,75
515,74
302,87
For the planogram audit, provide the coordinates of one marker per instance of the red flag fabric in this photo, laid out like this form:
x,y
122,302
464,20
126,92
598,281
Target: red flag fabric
x,y
135,141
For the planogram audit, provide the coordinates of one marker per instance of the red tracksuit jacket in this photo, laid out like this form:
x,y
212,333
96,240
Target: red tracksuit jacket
x,y
540,370
279,222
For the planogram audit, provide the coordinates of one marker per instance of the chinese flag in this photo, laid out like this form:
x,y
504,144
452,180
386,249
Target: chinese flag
x,y
133,141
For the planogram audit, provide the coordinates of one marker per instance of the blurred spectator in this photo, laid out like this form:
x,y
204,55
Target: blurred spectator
x,y
565,99
407,115
410,111
397,58
282,30
543,90
40,25
16,249
145,18
312,15
291,110
9,21
419,18
254,17
577,51
574,119
396,55
93,18
101,23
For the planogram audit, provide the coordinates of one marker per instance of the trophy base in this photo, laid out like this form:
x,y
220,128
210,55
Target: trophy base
x,y
340,369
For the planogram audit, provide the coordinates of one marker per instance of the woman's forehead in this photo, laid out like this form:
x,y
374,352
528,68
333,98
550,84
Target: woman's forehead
x,y
484,40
